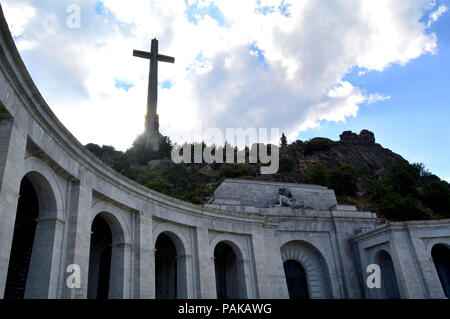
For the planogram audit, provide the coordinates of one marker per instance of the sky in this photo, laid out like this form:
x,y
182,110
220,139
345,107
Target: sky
x,y
310,68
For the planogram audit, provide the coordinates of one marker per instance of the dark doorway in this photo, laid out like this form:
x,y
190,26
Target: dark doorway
x,y
22,244
225,263
99,259
389,286
165,268
296,280
441,259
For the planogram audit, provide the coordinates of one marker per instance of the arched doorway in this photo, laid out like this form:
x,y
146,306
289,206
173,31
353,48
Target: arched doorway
x,y
296,280
33,264
441,259
306,271
23,239
165,268
100,259
229,270
389,286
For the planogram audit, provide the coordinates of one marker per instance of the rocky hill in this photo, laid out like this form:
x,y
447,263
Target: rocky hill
x,y
360,171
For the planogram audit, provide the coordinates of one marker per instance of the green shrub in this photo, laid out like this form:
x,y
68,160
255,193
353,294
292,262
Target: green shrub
x,y
344,181
194,196
179,176
232,170
159,184
394,206
318,174
436,195
404,179
287,163
317,144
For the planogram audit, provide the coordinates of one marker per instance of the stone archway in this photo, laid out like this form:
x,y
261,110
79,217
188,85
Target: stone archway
x,y
32,270
314,266
174,237
173,263
229,271
389,286
441,258
166,268
106,276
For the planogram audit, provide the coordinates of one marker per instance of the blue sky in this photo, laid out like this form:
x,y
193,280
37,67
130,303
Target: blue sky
x,y
415,121
310,68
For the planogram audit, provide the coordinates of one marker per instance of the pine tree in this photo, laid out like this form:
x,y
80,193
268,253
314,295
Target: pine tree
x,y
283,141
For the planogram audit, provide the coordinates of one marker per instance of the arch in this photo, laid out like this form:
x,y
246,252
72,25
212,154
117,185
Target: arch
x,y
240,269
115,219
246,288
314,265
234,243
176,234
229,272
120,260
37,260
171,266
389,284
44,179
441,259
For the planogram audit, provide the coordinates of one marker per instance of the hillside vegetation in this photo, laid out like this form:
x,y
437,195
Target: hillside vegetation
x,y
360,171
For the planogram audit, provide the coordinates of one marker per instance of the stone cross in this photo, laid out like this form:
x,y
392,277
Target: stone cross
x,y
151,119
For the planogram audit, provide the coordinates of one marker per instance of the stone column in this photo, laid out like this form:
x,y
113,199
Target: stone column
x,y
262,268
42,281
206,281
79,225
120,276
12,153
270,276
409,280
244,273
184,277
144,271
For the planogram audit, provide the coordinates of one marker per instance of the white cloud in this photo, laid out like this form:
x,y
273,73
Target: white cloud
x,y
377,97
298,81
18,15
434,16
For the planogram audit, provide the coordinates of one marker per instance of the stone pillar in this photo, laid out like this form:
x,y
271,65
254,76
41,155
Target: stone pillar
x,y
245,286
120,275
409,279
79,225
346,271
271,279
144,271
42,281
262,267
12,153
184,277
206,281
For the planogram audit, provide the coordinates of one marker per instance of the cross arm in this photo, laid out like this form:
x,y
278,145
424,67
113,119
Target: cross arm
x,y
148,55
165,58
142,54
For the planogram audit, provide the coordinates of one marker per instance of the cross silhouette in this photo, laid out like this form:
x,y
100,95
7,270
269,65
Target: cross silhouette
x,y
151,119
